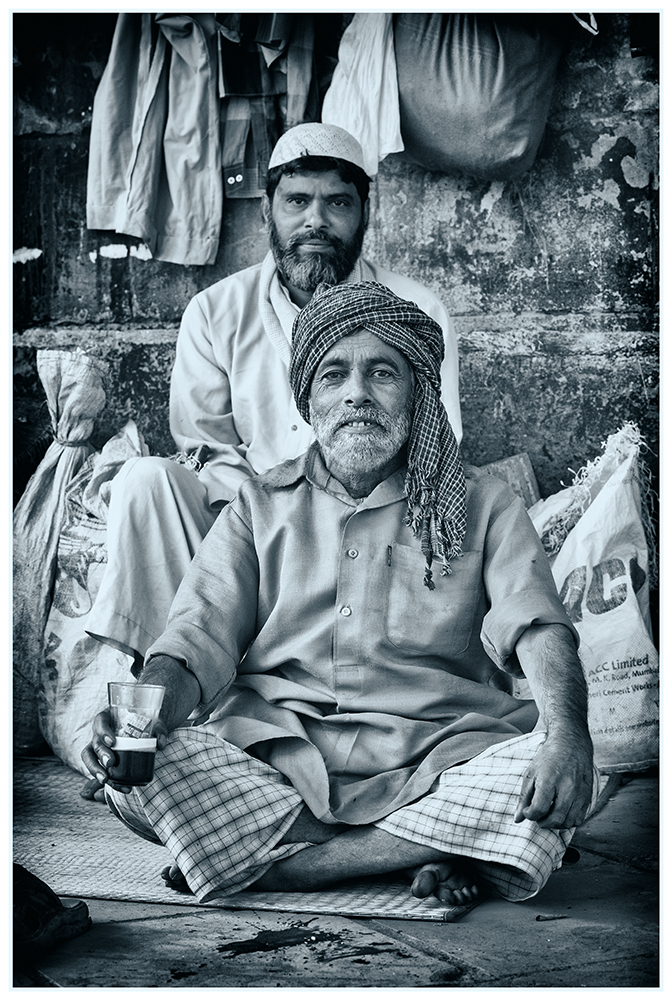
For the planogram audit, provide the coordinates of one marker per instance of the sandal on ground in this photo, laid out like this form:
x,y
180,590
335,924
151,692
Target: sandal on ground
x,y
41,919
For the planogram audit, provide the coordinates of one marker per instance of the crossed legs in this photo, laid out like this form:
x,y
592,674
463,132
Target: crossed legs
x,y
253,828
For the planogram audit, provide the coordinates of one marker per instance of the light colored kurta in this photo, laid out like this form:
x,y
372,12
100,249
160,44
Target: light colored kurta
x,y
325,642
230,388
229,391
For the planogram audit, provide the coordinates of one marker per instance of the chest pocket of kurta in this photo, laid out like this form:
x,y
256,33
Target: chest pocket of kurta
x,y
439,621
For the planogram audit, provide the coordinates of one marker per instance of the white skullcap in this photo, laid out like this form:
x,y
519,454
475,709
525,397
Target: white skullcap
x,y
316,139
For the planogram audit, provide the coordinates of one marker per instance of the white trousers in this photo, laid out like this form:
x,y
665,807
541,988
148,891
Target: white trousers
x,y
222,814
159,514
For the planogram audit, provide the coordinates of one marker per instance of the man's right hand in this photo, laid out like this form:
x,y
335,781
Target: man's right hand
x,y
182,695
98,755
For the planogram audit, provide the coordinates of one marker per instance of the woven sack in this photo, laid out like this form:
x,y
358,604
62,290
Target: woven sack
x,y
595,533
475,89
77,667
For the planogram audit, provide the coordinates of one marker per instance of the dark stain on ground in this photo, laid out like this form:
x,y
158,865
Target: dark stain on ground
x,y
272,940
300,934
372,949
179,974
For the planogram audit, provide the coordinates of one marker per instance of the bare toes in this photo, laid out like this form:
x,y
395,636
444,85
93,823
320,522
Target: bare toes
x,y
457,897
449,881
427,877
174,879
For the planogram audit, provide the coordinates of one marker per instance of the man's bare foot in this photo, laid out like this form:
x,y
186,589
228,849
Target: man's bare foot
x,y
174,879
450,881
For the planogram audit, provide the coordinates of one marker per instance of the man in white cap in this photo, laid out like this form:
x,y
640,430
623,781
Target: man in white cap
x,y
231,407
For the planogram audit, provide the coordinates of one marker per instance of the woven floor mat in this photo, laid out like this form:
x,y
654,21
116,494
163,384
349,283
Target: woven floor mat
x,y
79,849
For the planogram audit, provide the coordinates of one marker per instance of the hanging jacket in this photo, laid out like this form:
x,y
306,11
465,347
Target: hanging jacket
x,y
154,160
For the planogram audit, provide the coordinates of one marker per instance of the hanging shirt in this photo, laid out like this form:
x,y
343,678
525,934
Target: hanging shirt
x,y
154,156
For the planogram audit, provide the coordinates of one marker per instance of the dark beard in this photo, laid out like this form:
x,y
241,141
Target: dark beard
x,y
307,271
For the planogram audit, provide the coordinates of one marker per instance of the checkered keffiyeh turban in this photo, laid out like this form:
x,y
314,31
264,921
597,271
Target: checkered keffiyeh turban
x,y
435,483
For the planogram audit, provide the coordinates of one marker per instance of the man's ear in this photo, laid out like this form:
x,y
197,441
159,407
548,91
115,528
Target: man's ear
x,y
366,211
265,209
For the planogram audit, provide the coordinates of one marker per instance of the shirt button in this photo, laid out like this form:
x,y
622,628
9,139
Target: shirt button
x,y
239,177
230,180
346,611
294,427
353,553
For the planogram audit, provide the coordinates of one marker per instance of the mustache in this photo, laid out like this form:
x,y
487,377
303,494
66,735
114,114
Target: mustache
x,y
370,413
314,236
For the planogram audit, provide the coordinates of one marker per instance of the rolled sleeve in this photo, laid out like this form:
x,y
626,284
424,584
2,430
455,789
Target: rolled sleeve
x,y
520,586
503,628
212,666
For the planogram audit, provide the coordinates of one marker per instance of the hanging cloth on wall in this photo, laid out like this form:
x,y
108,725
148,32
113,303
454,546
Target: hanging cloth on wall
x,y
154,159
475,89
182,95
363,97
269,84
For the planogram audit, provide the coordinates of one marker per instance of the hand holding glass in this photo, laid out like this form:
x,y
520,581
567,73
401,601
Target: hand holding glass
x,y
134,711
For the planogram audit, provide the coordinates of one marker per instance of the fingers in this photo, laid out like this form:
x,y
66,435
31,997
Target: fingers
x,y
96,761
554,803
97,755
90,788
161,733
526,793
539,804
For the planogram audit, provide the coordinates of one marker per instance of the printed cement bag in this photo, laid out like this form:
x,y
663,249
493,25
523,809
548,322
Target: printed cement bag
x,y
595,537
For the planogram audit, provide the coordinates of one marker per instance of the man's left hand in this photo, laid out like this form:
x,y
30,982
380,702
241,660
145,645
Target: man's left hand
x,y
557,786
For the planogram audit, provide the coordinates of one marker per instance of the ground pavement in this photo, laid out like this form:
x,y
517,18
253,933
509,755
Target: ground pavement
x,y
595,925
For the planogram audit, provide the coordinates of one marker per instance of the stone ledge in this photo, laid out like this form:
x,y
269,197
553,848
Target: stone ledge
x,y
529,333
89,336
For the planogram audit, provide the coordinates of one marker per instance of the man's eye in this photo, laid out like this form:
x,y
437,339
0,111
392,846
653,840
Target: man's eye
x,y
382,373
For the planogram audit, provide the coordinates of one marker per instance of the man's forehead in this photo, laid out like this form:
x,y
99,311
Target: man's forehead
x,y
362,343
308,180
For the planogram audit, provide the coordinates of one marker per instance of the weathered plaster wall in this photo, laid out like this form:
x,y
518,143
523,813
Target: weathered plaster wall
x,y
551,279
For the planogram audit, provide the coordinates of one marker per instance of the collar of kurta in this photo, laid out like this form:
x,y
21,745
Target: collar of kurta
x,y
276,309
310,466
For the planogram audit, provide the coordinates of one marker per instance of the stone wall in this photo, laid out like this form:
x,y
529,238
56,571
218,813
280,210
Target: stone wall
x,y
551,278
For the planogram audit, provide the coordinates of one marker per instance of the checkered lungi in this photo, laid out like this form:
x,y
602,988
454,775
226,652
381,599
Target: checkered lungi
x,y
222,814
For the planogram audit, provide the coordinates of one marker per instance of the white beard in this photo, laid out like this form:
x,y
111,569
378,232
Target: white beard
x,y
353,455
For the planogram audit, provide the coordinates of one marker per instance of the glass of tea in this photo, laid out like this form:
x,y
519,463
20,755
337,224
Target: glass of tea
x,y
134,711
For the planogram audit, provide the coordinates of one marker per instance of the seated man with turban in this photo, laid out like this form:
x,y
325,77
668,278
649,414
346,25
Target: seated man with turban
x,y
231,407
342,705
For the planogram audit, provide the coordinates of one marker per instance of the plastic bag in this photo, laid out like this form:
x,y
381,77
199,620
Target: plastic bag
x,y
475,89
73,383
594,533
77,667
